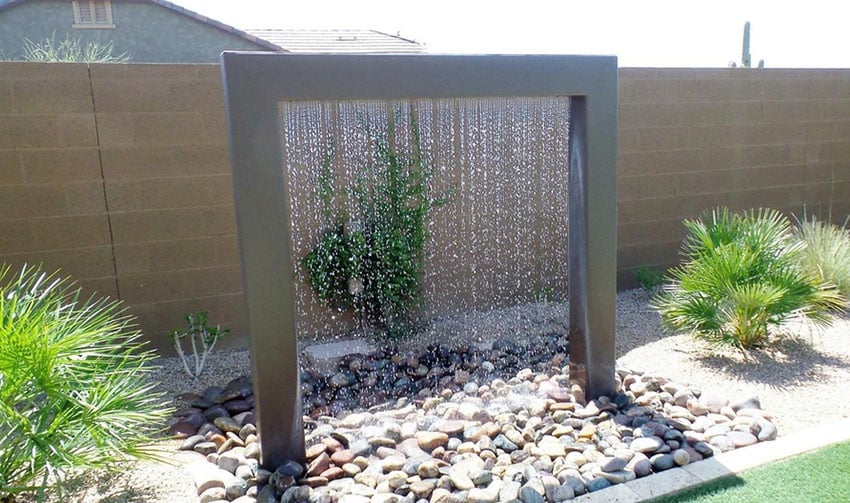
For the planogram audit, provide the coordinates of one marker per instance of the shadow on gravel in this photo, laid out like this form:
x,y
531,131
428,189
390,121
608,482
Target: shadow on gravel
x,y
110,487
787,362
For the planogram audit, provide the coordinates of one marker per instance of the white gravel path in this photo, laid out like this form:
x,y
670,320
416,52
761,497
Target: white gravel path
x,y
803,380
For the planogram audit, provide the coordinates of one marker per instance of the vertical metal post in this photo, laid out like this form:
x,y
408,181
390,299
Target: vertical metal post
x,y
592,255
261,194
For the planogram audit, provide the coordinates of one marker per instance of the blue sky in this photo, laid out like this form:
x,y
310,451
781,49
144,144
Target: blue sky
x,y
657,33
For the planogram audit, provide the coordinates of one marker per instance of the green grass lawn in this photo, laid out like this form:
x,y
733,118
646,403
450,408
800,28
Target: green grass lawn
x,y
819,476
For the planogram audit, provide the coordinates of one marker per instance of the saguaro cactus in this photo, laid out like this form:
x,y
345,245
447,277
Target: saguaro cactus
x,y
745,52
746,58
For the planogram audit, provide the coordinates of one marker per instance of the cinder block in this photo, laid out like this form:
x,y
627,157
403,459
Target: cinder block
x,y
76,130
121,163
783,111
44,71
28,131
11,170
791,88
133,258
77,263
99,287
159,129
152,287
774,155
709,137
85,198
661,138
645,233
171,224
56,233
182,254
158,193
769,176
226,249
52,96
653,254
775,197
17,236
147,95
213,281
7,102
29,201
134,72
58,165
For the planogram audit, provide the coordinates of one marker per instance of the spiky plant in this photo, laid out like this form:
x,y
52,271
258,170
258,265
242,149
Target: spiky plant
x,y
826,252
73,387
740,277
71,50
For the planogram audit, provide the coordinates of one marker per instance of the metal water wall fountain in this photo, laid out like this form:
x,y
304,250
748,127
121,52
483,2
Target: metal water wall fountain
x,y
255,86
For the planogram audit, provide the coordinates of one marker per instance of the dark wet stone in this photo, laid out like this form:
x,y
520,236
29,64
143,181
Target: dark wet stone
x,y
212,393
226,424
704,449
236,406
196,420
289,469
215,411
182,429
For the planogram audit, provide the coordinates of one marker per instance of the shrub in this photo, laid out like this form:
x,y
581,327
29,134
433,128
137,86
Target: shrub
x,y
740,277
826,253
73,392
374,266
648,278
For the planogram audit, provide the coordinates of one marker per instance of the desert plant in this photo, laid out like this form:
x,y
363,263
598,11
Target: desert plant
x,y
73,385
826,253
71,50
746,58
202,339
375,265
648,277
740,277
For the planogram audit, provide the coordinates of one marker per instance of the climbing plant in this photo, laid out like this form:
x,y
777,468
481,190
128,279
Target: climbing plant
x,y
373,264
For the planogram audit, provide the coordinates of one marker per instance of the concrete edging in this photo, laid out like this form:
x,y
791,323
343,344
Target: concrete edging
x,y
722,465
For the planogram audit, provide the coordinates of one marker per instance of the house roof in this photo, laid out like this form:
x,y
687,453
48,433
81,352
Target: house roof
x,y
338,41
4,4
296,40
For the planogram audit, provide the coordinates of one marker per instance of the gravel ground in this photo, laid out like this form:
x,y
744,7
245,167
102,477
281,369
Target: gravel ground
x,y
801,380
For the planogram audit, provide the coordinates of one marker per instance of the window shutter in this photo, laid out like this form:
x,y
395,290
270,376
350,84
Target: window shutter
x,y
101,16
86,14
92,13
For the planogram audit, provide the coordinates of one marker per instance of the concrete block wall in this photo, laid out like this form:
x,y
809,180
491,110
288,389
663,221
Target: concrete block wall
x,y
691,139
166,169
52,200
119,174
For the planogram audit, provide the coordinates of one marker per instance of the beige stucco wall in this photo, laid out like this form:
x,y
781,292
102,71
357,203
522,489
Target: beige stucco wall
x,y
119,174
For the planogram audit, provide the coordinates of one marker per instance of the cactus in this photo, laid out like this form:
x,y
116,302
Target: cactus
x,y
746,58
745,53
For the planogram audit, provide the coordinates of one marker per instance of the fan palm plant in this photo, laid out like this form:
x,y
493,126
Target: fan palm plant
x,y
740,277
73,389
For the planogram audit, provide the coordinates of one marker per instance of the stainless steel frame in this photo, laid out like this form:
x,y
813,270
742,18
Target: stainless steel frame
x,y
254,84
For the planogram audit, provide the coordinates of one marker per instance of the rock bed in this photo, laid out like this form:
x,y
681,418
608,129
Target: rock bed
x,y
530,437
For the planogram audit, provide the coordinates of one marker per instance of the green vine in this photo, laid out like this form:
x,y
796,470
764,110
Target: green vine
x,y
375,266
